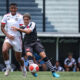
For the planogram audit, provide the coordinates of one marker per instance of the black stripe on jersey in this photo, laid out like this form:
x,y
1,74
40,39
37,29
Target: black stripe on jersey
x,y
30,24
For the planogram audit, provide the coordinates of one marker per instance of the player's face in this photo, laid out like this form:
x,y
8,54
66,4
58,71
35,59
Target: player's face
x,y
13,9
70,57
26,20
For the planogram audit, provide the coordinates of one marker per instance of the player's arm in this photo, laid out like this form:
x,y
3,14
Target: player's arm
x,y
3,30
65,64
32,26
26,30
3,23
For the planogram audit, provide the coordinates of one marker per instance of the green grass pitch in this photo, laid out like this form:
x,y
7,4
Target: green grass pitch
x,y
41,76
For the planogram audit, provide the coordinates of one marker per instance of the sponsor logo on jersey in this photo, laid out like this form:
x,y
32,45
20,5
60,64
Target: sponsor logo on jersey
x,y
16,19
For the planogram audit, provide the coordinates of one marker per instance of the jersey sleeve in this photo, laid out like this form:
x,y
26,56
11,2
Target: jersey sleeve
x,y
74,61
4,20
65,61
32,26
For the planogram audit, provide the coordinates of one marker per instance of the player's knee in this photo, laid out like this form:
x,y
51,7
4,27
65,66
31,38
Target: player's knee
x,y
44,67
4,50
18,58
5,54
29,54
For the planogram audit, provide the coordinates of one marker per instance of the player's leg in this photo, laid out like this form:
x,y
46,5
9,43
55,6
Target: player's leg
x,y
40,49
17,46
21,62
43,65
29,54
26,63
31,61
49,64
67,69
30,57
5,49
29,51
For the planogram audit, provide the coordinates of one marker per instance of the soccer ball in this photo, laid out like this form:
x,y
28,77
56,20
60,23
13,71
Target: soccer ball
x,y
33,68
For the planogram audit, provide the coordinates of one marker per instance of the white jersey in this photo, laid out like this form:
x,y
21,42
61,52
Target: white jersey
x,y
59,68
10,21
69,62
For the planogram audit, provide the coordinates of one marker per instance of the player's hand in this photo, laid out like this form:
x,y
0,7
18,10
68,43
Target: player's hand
x,y
10,37
14,28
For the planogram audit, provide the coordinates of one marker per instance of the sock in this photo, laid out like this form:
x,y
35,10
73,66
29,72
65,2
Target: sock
x,y
49,64
30,58
7,63
24,68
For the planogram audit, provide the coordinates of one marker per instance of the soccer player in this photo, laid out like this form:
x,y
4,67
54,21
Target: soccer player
x,y
31,42
70,63
58,68
13,38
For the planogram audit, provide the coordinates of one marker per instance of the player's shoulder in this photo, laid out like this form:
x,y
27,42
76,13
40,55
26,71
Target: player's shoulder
x,y
8,14
33,22
73,59
20,15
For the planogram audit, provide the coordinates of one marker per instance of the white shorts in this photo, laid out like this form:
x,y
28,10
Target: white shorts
x,y
16,43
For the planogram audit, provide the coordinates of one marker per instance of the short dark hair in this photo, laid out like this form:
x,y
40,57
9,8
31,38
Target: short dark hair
x,y
70,54
27,15
14,4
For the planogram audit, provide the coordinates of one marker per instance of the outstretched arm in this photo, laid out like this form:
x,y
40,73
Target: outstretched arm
x,y
27,31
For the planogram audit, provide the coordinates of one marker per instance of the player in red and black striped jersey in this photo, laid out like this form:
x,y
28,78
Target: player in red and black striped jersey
x,y
31,42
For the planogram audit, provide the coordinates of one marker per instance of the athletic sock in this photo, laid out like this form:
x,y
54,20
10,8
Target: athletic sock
x,y
30,58
7,63
24,68
49,64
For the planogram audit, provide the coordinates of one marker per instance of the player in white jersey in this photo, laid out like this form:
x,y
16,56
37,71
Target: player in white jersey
x,y
58,68
13,38
70,63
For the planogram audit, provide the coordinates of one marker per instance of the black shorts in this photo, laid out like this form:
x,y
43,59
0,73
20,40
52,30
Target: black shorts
x,y
34,47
